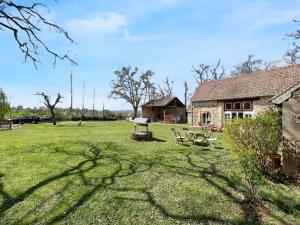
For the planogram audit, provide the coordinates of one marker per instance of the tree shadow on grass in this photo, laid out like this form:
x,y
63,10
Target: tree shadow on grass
x,y
92,159
80,168
5,195
158,140
121,167
151,200
210,174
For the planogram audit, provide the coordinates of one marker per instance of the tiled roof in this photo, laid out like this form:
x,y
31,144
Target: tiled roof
x,y
285,95
259,84
163,102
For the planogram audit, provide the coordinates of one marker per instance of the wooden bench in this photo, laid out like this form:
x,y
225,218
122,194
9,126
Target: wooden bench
x,y
8,126
5,126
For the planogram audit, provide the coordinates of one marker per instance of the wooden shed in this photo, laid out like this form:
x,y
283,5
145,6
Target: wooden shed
x,y
289,101
165,110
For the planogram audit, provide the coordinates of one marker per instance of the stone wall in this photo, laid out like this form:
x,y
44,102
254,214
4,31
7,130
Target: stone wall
x,y
261,105
175,115
153,113
172,115
216,109
291,133
189,118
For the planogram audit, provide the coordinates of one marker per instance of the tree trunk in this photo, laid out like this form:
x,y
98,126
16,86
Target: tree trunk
x,y
135,111
53,117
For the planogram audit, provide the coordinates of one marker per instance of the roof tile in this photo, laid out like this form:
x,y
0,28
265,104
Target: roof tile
x,y
259,84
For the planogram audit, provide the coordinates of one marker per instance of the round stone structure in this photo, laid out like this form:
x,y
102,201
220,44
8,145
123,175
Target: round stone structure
x,y
141,135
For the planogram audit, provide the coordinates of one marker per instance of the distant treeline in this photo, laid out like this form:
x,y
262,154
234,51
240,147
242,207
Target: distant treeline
x,y
63,114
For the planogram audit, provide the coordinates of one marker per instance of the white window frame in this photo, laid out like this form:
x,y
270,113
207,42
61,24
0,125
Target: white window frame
x,y
245,113
207,117
230,116
248,114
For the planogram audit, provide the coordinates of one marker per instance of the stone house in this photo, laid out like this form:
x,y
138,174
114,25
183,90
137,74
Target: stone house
x,y
289,102
216,102
166,110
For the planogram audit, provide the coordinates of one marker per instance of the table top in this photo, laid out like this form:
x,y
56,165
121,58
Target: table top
x,y
193,132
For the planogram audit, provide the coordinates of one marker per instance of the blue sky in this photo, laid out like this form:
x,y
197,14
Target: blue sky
x,y
166,36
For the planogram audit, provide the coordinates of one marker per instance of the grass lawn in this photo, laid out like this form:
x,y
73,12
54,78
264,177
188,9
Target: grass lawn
x,y
94,174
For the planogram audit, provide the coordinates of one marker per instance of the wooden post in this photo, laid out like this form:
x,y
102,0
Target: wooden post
x,y
164,114
71,81
94,95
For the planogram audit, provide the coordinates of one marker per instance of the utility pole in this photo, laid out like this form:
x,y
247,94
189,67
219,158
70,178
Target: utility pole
x,y
82,112
94,96
71,81
103,110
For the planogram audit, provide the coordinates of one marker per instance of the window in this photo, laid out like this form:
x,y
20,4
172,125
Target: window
x,y
248,115
206,118
237,106
247,105
227,117
228,106
239,115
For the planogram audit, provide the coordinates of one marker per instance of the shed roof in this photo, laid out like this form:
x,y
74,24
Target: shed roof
x,y
164,102
258,84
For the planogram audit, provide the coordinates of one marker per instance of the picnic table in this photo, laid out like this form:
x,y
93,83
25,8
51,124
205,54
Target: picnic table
x,y
193,135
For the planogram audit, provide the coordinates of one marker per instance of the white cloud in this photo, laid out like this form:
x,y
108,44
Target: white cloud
x,y
276,18
133,38
101,23
259,15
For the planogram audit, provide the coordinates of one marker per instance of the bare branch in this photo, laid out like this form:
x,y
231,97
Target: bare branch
x,y
291,56
25,22
51,107
249,66
167,90
206,72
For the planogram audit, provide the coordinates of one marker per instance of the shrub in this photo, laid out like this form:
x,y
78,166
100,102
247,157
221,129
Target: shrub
x,y
255,141
4,105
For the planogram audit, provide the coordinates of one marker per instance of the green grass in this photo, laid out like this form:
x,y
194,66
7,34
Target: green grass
x,y
94,174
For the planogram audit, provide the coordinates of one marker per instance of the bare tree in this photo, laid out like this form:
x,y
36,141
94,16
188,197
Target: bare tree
x,y
206,72
167,90
217,72
187,94
201,73
249,66
295,35
51,107
291,56
25,24
129,87
149,86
